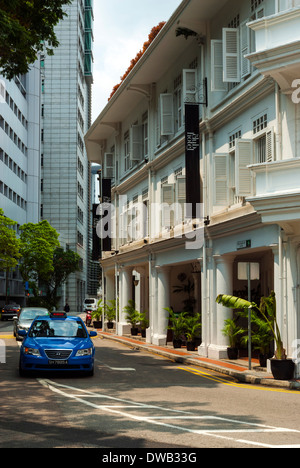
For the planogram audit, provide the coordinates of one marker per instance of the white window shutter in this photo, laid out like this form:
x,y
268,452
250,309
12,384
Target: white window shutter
x,y
221,178
132,224
167,198
166,114
270,145
231,55
109,168
243,176
135,139
245,49
123,227
181,198
189,80
217,83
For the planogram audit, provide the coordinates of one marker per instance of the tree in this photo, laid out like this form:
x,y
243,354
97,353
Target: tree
x,y
26,27
9,246
64,263
38,243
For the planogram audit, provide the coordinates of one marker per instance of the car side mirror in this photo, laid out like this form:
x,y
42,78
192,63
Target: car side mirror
x,y
93,333
22,333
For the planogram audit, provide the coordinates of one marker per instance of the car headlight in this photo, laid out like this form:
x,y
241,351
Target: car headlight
x,y
32,352
84,352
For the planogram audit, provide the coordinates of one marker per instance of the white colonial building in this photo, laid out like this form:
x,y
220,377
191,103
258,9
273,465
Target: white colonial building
x,y
240,62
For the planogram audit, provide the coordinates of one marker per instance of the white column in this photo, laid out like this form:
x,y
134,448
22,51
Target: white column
x,y
223,285
163,289
123,327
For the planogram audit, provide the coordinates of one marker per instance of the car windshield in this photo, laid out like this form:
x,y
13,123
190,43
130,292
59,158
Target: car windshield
x,y
89,301
57,328
31,314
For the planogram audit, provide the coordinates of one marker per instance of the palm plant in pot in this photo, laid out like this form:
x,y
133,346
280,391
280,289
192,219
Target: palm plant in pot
x,y
97,314
192,327
261,337
177,326
110,313
281,367
232,331
132,316
144,322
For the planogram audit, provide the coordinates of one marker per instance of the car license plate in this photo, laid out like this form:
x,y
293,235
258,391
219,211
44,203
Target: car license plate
x,y
57,362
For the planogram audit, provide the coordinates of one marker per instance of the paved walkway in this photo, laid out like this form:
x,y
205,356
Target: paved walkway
x,y
238,369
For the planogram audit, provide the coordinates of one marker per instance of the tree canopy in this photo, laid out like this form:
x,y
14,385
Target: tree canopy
x,y
38,243
26,27
9,243
65,262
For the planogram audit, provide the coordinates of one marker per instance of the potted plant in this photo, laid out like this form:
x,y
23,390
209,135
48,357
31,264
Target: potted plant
x,y
232,331
132,317
192,327
261,338
281,367
97,315
144,322
110,313
177,326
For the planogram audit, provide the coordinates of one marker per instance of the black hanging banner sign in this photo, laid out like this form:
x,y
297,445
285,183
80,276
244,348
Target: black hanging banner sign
x,y
192,160
106,215
96,253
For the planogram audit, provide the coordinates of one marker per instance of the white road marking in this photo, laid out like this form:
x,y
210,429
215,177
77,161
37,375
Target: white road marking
x,y
127,369
158,420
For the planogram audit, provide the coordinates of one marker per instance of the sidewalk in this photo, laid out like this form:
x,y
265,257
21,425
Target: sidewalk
x,y
238,369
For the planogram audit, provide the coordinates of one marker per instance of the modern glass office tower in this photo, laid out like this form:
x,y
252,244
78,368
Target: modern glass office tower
x,y
66,80
19,162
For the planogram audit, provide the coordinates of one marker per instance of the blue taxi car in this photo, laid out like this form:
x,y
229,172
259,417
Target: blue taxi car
x,y
57,343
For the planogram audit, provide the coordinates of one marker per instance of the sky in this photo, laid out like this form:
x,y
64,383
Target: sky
x,y
120,29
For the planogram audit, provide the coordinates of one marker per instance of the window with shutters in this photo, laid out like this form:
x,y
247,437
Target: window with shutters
x,y
245,48
180,199
243,175
173,199
132,228
166,114
171,105
265,147
136,143
132,149
229,65
109,168
264,140
178,103
231,55
221,178
257,9
217,83
145,136
167,208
